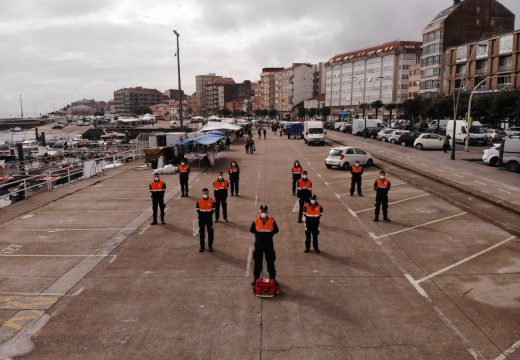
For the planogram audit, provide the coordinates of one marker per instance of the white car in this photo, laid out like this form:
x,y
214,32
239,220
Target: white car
x,y
395,135
492,155
383,134
428,141
345,156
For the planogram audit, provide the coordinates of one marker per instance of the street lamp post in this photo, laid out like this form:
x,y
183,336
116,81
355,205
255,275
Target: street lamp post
x,y
181,115
364,101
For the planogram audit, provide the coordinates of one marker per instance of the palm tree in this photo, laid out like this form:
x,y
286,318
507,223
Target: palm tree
x,y
378,104
390,107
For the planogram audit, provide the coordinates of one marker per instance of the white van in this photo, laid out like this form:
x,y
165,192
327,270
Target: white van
x,y
358,125
442,124
477,133
510,154
313,132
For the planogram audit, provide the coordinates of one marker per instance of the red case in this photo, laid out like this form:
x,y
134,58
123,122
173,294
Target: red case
x,y
266,287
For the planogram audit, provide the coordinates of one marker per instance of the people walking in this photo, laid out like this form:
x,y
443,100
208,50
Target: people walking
x,y
234,177
382,187
252,147
205,207
446,144
157,189
304,193
259,133
184,177
356,171
228,142
296,175
248,146
265,133
313,213
264,227
220,189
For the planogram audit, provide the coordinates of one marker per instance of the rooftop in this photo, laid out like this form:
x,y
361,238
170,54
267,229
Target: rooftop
x,y
389,46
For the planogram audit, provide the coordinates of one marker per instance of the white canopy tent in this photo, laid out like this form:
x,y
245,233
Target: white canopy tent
x,y
213,125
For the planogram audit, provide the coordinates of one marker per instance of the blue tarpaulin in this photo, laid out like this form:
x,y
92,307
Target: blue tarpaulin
x,y
216,132
208,139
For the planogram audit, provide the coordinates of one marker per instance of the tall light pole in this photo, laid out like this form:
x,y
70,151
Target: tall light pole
x,y
21,106
181,116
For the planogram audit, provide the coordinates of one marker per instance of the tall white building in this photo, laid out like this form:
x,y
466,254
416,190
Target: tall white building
x,y
293,85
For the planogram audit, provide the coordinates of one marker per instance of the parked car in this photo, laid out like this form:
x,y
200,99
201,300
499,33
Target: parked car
x,y
344,156
408,138
58,126
428,141
383,134
510,154
513,131
495,135
328,125
491,156
395,135
347,128
370,132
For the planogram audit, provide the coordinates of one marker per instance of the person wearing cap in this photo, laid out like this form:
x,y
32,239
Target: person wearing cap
x,y
313,213
296,172
304,193
184,177
157,190
356,171
205,208
220,190
234,177
382,187
264,227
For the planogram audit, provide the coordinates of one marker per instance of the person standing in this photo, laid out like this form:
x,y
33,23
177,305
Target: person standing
x,y
296,175
382,187
313,213
265,133
157,189
356,171
228,142
252,148
248,146
220,189
205,208
234,177
184,177
446,144
264,227
259,133
304,193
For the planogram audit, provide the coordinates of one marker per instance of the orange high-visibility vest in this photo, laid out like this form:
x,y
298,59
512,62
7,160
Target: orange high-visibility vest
x,y
205,205
296,170
184,168
382,184
157,185
312,210
357,169
232,169
220,185
267,226
304,184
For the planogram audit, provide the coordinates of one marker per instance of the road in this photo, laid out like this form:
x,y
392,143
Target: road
x,y
89,278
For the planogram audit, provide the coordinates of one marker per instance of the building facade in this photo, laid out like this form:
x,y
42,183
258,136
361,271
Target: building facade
x,y
132,101
495,60
366,75
208,82
194,103
292,86
234,95
173,94
463,22
211,94
265,96
414,81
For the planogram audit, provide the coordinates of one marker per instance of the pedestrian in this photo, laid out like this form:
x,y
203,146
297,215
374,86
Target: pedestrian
x,y
265,132
304,193
356,171
157,189
264,227
382,187
446,144
228,142
259,133
296,175
313,213
252,145
220,189
250,133
205,208
281,131
234,177
248,146
184,177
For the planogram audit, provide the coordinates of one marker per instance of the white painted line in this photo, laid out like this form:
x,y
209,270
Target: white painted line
x,y
30,294
143,230
507,192
308,163
509,351
296,207
459,176
336,182
439,169
79,291
337,195
480,183
259,175
195,228
319,175
114,257
55,255
248,263
416,285
421,225
460,262
326,183
374,237
57,230
92,211
256,200
352,213
394,202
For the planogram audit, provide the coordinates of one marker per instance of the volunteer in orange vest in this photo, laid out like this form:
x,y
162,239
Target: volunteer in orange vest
x,y
304,193
220,190
184,177
205,209
356,170
313,212
382,187
296,175
157,189
234,177
264,227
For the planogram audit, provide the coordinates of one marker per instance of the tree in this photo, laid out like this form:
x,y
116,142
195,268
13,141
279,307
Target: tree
x,y
273,113
226,112
302,112
390,107
325,111
378,104
311,112
413,108
264,112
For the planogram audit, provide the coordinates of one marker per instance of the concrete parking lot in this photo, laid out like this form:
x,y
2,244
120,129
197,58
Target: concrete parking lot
x,y
87,277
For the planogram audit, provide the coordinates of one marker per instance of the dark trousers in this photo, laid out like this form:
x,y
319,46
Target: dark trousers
x,y
203,226
314,231
294,182
234,186
264,247
184,186
356,180
300,210
157,203
218,203
382,201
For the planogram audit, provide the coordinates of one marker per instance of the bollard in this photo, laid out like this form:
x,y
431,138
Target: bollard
x,y
68,174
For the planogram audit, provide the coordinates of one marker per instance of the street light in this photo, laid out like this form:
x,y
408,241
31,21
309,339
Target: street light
x,y
179,78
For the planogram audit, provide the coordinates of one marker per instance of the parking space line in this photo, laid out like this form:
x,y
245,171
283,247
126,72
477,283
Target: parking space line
x,y
91,211
365,189
393,202
460,262
54,255
509,351
421,225
416,285
56,230
248,261
296,207
459,176
507,192
480,183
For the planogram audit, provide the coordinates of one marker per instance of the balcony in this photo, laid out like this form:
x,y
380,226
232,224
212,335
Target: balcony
x,y
503,86
504,68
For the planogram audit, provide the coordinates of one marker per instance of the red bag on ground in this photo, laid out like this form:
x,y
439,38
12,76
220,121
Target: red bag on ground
x,y
266,287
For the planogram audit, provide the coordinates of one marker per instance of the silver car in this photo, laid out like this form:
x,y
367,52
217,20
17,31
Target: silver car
x,y
345,156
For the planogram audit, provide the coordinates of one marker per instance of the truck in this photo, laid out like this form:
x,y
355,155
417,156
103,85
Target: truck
x,y
313,132
510,154
477,133
293,128
358,125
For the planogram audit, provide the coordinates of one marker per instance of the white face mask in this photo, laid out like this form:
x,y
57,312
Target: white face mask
x,y
304,177
220,178
263,215
233,164
297,164
182,163
156,179
313,202
382,177
357,164
205,196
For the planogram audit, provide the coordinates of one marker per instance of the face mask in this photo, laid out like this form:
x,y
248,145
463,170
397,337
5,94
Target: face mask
x,y
205,196
313,202
297,164
263,215
220,178
382,177
357,164
182,163
156,179
233,164
304,177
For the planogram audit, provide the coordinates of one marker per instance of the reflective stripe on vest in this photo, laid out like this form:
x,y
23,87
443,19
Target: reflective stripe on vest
x,y
296,170
382,184
267,226
304,184
357,169
220,185
157,185
184,168
312,211
206,205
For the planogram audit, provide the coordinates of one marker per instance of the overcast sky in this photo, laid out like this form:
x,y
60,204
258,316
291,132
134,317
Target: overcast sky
x,y
57,51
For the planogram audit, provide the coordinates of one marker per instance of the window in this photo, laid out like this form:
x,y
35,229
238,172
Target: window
x,y
504,63
350,151
481,65
482,50
506,44
432,48
431,60
460,69
462,53
432,36
503,82
359,151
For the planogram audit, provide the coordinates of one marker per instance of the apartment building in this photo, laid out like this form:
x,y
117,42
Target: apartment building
x,y
132,101
463,22
194,103
211,94
414,81
293,85
234,93
364,76
265,91
201,81
495,60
